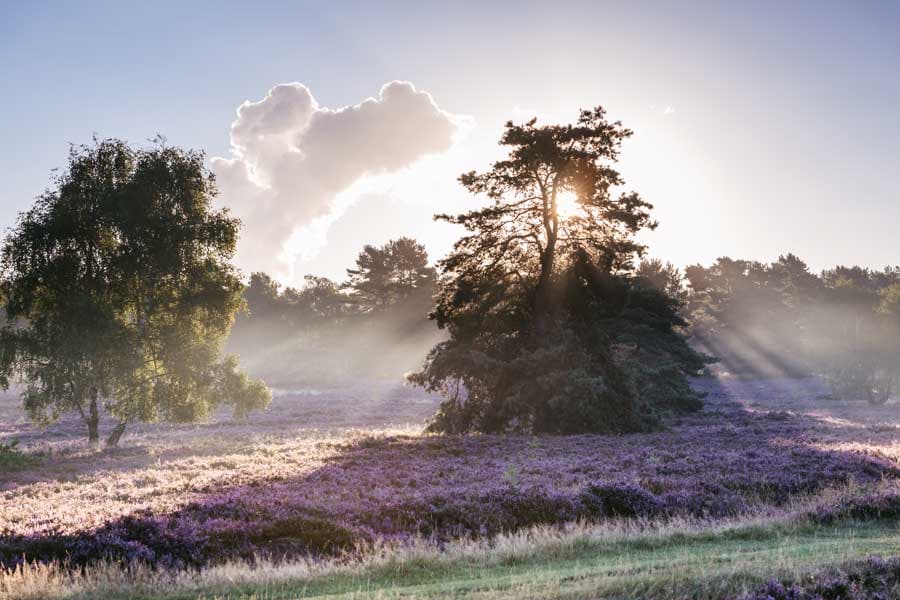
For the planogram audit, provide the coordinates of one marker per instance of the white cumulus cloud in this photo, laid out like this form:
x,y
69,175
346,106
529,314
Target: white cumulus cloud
x,y
293,162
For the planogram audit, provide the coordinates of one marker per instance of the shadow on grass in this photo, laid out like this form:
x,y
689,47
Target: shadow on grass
x,y
298,411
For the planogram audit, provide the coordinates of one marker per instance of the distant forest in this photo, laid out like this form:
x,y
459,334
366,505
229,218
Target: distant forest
x,y
755,318
780,319
374,324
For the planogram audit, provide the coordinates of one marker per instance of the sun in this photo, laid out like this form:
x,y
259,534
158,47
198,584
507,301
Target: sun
x,y
567,204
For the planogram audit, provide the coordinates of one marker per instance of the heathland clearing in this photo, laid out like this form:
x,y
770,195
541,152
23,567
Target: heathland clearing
x,y
338,472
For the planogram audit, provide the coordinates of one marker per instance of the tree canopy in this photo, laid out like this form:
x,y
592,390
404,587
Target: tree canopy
x,y
545,316
386,275
119,292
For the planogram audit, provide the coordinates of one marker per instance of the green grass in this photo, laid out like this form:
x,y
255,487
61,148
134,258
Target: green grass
x,y
680,565
684,560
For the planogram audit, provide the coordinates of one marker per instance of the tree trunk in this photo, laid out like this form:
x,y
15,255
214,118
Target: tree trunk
x,y
116,434
880,389
543,294
93,420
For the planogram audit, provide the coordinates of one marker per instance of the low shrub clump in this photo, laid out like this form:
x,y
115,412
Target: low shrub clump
x,y
873,579
184,541
13,459
879,504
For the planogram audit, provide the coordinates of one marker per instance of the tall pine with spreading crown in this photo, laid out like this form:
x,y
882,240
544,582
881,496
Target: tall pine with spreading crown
x,y
550,331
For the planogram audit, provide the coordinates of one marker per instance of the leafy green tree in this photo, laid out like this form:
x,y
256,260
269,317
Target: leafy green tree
x,y
119,292
529,294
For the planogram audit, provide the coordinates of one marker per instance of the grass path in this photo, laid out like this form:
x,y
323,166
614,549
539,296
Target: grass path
x,y
682,565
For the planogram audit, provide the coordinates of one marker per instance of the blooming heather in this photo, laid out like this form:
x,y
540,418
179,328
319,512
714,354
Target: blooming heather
x,y
308,492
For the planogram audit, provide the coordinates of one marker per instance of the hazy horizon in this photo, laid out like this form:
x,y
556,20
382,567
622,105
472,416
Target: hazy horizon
x,y
753,136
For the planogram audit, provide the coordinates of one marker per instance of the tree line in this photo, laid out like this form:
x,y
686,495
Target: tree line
x,y
780,319
373,324
121,295
384,278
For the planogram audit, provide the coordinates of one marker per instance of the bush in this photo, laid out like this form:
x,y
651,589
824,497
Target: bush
x,y
870,506
305,535
628,500
13,459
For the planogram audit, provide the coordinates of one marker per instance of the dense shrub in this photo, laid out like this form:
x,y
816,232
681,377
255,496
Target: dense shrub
x,y
627,500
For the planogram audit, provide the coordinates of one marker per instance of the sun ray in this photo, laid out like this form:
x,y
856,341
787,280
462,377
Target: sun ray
x,y
567,204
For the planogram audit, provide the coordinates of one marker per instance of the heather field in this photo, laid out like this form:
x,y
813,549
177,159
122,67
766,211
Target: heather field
x,y
337,491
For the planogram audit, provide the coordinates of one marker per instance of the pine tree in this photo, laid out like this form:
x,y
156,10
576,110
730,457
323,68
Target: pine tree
x,y
521,292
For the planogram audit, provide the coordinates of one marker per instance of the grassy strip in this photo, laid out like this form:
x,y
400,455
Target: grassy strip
x,y
694,564
699,567
681,559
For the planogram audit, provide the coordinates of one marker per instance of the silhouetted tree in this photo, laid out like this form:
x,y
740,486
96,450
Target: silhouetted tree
x,y
119,292
514,360
262,295
324,299
388,274
369,281
664,277
523,228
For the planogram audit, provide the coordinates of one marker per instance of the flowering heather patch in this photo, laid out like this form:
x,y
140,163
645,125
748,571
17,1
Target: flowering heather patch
x,y
873,579
305,492
872,504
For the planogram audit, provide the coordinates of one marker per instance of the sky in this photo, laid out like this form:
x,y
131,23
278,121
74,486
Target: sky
x,y
760,128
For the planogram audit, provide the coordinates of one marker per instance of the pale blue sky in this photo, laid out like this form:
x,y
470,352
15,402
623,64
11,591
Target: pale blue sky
x,y
760,128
